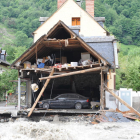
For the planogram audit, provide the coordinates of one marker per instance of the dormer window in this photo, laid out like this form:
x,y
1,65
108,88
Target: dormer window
x,y
75,21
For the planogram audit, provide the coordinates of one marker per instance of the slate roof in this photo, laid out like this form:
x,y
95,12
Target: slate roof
x,y
103,45
98,38
43,19
5,63
105,49
75,27
99,19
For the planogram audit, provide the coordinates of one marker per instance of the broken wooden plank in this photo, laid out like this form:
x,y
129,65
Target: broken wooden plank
x,y
40,94
71,73
94,122
123,102
130,117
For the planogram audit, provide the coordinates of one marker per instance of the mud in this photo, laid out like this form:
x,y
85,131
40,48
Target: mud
x,y
23,129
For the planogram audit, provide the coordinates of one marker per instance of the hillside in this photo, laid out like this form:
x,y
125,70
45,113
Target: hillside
x,y
122,17
7,36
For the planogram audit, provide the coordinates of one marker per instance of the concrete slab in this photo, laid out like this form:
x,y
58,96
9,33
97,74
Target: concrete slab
x,y
15,112
67,111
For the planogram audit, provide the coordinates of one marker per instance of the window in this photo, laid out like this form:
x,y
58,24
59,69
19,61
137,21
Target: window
x,y
61,97
75,21
112,98
72,96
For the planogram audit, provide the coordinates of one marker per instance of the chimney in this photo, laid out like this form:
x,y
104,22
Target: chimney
x,y
90,7
59,3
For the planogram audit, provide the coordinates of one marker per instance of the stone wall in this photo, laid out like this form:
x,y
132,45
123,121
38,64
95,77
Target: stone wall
x,y
14,99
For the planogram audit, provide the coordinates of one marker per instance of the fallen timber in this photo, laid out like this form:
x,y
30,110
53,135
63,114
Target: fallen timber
x,y
40,94
123,102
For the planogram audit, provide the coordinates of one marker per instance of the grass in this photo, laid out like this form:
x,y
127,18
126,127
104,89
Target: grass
x,y
12,104
123,47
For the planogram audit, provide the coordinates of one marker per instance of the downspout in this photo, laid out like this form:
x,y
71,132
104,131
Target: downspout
x,y
115,54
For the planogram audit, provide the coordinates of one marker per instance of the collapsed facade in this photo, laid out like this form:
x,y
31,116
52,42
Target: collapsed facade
x,y
75,48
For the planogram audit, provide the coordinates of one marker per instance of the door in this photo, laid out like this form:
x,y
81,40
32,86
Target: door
x,y
59,102
126,96
70,101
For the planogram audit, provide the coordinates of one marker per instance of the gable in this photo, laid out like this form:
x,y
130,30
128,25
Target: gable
x,y
50,44
69,10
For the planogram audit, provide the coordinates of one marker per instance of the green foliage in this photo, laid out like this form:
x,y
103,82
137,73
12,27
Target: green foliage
x,y
122,19
23,16
8,75
14,52
5,77
128,76
10,91
22,39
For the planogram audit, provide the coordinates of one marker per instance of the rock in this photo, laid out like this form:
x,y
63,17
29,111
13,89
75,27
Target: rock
x,y
11,120
21,119
56,118
2,120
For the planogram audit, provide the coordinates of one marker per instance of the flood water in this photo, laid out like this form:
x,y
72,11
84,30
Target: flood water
x,y
43,130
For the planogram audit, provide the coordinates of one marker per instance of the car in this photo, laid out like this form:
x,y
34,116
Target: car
x,y
67,100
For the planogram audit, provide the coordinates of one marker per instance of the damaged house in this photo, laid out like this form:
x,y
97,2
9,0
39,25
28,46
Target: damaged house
x,y
3,63
72,53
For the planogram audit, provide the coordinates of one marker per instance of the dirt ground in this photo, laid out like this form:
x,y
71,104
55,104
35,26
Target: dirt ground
x,y
56,130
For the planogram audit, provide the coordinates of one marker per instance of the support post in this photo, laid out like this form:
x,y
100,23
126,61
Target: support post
x,y
40,94
19,93
102,91
36,55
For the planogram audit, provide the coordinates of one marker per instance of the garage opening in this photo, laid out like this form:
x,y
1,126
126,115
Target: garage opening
x,y
87,85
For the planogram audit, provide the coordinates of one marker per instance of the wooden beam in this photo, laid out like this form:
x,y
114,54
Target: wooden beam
x,y
110,73
102,91
28,52
40,94
123,102
71,73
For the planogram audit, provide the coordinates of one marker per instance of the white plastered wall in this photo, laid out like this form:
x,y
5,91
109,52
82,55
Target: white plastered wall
x,y
89,27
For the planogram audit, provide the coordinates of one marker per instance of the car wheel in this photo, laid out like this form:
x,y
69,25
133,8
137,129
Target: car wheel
x,y
78,106
46,105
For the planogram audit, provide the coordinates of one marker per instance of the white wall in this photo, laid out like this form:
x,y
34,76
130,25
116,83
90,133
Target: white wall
x,y
89,27
128,95
111,101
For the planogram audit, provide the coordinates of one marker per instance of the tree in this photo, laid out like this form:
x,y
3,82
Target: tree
x,y
21,39
5,77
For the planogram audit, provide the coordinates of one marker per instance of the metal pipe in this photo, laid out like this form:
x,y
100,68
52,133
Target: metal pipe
x,y
19,93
